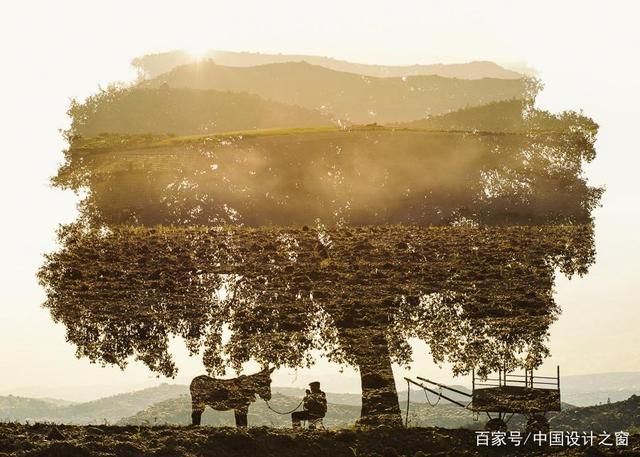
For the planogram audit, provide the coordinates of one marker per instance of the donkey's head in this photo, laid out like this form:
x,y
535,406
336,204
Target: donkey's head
x,y
263,385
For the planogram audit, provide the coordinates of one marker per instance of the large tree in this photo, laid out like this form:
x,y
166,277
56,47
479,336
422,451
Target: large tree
x,y
480,296
345,241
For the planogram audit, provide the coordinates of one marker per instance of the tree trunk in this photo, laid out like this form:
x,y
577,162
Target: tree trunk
x,y
379,396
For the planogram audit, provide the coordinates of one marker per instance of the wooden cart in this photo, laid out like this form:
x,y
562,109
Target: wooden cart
x,y
507,394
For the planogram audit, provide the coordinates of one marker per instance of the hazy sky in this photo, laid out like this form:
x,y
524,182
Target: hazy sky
x,y
585,52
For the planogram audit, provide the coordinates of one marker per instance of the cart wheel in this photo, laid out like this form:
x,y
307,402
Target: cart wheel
x,y
496,425
537,423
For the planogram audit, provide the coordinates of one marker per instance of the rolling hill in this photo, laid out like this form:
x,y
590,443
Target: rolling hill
x,y
417,396
20,408
170,404
347,96
177,411
153,65
612,417
593,389
623,415
184,112
500,116
105,409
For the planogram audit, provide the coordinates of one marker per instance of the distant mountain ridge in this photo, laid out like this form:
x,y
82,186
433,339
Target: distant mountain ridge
x,y
176,410
417,395
611,417
596,385
108,408
153,65
499,116
347,96
155,402
170,403
592,389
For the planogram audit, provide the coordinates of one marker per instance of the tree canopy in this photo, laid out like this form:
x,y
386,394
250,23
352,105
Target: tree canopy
x,y
348,241
481,296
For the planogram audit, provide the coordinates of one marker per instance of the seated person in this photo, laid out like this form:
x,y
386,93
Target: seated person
x,y
314,406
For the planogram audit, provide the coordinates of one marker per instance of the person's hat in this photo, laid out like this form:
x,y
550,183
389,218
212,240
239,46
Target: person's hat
x,y
314,384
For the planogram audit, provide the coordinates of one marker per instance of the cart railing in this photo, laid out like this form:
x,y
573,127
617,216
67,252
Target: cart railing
x,y
528,379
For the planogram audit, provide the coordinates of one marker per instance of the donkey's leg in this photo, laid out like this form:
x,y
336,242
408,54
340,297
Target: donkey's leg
x,y
241,416
241,419
198,389
197,408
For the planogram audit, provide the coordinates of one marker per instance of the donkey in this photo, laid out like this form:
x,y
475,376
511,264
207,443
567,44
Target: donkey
x,y
226,394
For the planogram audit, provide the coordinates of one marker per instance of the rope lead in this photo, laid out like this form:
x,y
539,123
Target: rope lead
x,y
288,412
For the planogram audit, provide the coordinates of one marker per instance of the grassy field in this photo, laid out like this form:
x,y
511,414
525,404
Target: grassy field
x,y
114,141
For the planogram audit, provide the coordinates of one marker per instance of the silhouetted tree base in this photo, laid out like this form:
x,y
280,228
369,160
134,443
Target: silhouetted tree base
x,y
379,396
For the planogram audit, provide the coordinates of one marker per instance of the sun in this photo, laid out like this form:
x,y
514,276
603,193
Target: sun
x,y
197,52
